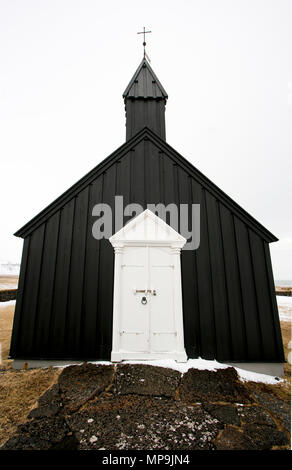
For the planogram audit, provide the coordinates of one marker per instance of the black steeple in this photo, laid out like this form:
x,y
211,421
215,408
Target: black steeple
x,y
145,100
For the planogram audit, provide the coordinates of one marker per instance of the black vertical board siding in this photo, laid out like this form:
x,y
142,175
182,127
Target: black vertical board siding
x,y
220,305
118,221
19,300
161,157
75,292
109,197
152,180
188,280
176,192
29,307
130,117
168,181
124,181
264,301
275,314
207,322
46,287
105,300
148,113
98,320
154,116
138,175
253,334
160,110
106,276
58,328
151,114
91,276
140,115
66,280
195,191
234,294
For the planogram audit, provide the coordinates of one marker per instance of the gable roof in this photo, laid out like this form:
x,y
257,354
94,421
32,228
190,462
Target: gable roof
x,y
147,226
145,84
145,134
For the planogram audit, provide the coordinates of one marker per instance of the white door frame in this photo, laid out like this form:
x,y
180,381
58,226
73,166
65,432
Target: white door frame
x,y
165,237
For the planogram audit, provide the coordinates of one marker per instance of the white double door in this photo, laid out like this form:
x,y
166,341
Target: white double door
x,y
150,320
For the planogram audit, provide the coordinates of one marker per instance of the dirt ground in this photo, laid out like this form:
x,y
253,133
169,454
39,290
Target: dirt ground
x,y
6,322
286,335
8,282
20,391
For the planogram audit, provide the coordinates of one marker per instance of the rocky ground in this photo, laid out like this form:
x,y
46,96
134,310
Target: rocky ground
x,y
134,406
138,407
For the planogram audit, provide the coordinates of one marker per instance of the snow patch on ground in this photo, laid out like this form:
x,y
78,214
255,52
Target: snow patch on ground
x,y
249,376
182,367
7,268
285,307
202,364
285,318
284,300
8,286
7,303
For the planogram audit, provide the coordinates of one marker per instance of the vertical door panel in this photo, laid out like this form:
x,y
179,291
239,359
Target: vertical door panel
x,y
162,325
134,317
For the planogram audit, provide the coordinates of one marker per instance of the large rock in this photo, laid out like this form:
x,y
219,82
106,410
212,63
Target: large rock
x,y
78,384
264,437
39,434
22,442
49,403
255,415
232,439
213,386
226,414
132,422
278,407
145,380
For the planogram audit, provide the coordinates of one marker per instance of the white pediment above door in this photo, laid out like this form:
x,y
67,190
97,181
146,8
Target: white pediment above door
x,y
147,228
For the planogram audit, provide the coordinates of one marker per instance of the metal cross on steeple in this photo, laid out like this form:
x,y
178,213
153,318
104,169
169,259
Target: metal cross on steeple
x,y
144,42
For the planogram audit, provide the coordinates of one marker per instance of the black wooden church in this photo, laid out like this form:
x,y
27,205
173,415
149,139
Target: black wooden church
x,y
65,298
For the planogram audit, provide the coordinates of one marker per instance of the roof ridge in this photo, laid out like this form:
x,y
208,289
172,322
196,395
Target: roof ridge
x,y
124,148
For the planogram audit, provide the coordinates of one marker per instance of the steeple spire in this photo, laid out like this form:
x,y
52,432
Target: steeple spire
x,y
145,100
144,42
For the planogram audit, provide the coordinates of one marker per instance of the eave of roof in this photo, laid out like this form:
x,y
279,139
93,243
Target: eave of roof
x,y
78,186
116,155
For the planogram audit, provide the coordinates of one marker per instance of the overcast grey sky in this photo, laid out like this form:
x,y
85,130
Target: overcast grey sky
x,y
227,68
